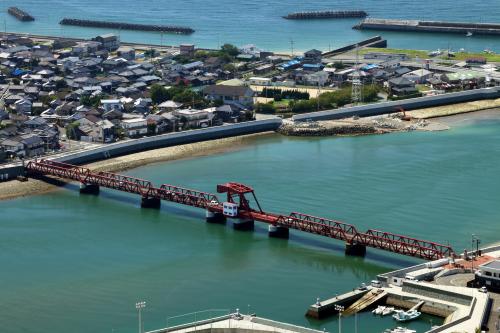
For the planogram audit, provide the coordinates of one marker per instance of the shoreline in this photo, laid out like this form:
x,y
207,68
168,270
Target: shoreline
x,y
15,189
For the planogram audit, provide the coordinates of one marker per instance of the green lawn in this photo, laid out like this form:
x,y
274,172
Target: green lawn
x,y
424,54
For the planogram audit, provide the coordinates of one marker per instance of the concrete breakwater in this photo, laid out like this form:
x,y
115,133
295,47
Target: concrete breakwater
x,y
127,26
20,14
326,14
429,26
375,41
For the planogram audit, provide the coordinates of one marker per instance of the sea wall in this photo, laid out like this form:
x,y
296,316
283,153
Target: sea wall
x,y
407,104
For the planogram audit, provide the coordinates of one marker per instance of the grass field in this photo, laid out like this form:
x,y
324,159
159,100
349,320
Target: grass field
x,y
424,54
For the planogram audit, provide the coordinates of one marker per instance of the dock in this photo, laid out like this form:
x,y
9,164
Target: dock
x,y
20,14
369,299
430,26
324,309
326,14
127,26
376,41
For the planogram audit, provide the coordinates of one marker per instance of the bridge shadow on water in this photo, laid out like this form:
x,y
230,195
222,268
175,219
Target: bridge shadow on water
x,y
322,260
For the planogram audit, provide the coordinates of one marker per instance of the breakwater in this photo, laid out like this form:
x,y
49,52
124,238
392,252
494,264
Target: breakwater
x,y
20,14
376,41
430,26
127,26
326,14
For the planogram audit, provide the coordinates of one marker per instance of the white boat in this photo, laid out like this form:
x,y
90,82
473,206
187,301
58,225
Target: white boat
x,y
406,315
469,34
379,310
436,53
387,311
400,330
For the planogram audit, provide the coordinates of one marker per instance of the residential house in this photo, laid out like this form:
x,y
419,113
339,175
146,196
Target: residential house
x,y
418,76
192,118
402,86
168,106
135,127
240,96
313,57
126,52
187,49
109,41
33,145
23,106
111,104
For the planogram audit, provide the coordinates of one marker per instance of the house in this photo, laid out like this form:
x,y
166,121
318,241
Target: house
x,y
187,49
111,104
36,123
13,146
33,145
135,127
313,56
418,76
263,69
126,52
232,95
317,79
142,105
109,41
488,275
23,106
169,106
402,86
192,118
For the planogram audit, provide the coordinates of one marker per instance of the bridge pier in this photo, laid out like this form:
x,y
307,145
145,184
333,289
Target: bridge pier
x,y
278,232
150,203
353,249
89,189
212,217
243,224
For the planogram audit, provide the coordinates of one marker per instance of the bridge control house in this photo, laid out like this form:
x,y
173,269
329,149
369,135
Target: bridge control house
x,y
488,275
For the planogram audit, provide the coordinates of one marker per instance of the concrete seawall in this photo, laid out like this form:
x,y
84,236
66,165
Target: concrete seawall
x,y
407,104
159,141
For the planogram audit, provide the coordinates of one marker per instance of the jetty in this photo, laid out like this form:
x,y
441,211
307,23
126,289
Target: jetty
x,y
20,14
430,26
127,26
376,41
326,14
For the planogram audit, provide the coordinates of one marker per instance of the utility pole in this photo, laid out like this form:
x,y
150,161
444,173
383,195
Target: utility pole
x,y
139,306
356,94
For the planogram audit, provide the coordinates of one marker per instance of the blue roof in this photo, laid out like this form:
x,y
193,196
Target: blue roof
x,y
18,72
368,67
315,66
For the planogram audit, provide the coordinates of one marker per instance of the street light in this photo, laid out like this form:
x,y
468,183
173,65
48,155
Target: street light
x,y
340,309
139,306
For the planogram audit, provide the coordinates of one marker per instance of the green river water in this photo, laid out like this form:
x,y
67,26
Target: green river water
x,y
75,263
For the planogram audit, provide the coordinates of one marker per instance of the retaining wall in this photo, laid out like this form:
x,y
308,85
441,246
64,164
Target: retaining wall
x,y
407,104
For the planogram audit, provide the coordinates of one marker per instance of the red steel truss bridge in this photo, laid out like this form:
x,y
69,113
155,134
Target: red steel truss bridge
x,y
237,206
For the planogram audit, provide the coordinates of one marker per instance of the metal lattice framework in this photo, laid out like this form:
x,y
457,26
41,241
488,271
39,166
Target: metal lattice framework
x,y
236,193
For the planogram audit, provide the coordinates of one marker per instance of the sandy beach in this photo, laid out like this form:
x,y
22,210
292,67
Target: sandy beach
x,y
15,189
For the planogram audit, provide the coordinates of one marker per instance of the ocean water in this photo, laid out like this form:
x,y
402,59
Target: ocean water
x,y
76,263
258,22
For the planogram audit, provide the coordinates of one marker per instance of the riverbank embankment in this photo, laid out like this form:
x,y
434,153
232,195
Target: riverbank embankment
x,y
15,189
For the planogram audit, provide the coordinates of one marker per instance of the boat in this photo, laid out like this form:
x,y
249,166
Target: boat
x,y
406,315
469,34
379,310
400,330
436,53
387,311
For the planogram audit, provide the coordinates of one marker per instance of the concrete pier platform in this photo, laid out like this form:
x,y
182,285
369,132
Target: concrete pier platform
x,y
323,309
236,323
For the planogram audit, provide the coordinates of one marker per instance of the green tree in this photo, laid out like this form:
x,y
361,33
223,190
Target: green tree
x,y
159,94
230,50
267,108
72,131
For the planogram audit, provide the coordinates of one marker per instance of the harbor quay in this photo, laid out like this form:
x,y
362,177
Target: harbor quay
x,y
452,289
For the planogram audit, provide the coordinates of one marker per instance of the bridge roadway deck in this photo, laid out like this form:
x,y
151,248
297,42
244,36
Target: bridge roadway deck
x,y
315,225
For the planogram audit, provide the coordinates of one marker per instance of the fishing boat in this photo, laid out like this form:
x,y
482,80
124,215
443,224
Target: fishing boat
x,y
406,315
379,310
387,311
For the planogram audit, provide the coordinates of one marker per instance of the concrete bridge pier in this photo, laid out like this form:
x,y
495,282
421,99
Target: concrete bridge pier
x,y
278,232
150,203
354,249
243,224
89,189
212,217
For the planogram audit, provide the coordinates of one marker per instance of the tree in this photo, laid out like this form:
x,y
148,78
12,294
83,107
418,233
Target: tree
x,y
159,94
267,108
230,50
71,131
91,101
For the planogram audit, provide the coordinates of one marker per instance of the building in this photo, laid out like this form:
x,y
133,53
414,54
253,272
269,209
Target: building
x,y
240,96
192,118
109,42
418,76
111,104
135,127
313,57
401,86
187,49
488,275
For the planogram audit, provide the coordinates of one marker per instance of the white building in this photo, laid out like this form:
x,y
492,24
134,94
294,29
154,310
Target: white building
x,y
111,104
135,127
